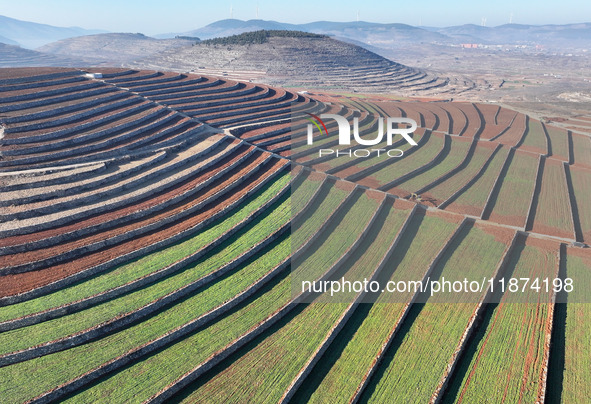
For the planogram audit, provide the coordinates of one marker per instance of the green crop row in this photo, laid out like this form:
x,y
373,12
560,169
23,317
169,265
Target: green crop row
x,y
514,198
559,142
582,188
136,383
421,351
302,190
506,357
459,150
335,240
554,211
354,351
400,167
473,199
46,372
235,246
374,245
150,263
329,198
447,188
535,138
265,372
576,381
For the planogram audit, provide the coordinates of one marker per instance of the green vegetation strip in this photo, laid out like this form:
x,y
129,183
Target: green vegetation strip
x,y
356,348
44,373
150,263
235,246
477,195
330,197
535,137
514,197
262,375
400,167
559,141
456,155
302,190
582,149
582,187
376,242
445,189
151,375
554,209
506,365
330,247
576,382
413,368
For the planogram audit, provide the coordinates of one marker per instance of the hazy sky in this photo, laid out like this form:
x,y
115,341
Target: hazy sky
x,y
161,16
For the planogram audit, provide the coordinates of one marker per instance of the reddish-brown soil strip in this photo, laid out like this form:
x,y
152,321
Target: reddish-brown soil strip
x,y
25,72
72,103
140,102
226,161
515,133
14,284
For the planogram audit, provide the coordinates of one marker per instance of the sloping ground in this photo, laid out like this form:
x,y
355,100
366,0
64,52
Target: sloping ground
x,y
15,56
145,247
304,62
117,48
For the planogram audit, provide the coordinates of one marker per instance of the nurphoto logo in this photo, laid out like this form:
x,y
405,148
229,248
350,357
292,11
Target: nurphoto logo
x,y
403,127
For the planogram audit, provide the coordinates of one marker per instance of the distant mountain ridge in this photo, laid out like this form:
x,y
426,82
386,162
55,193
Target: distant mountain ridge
x,y
32,35
579,34
388,35
359,31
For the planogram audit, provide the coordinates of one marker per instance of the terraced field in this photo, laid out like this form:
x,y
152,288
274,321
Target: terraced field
x,y
156,230
573,327
513,329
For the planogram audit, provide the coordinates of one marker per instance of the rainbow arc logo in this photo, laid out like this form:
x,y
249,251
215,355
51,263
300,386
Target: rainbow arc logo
x,y
318,120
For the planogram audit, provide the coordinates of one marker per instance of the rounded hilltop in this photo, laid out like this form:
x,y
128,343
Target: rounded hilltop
x,y
296,58
260,36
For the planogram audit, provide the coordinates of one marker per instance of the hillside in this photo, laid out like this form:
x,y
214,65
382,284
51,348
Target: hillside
x,y
112,49
8,41
155,227
305,62
15,56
